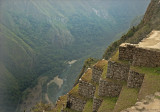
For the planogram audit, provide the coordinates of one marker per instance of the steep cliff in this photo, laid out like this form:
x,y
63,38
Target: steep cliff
x,y
131,73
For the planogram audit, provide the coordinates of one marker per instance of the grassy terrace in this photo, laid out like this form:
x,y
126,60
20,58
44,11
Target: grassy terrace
x,y
74,92
127,98
63,100
108,79
100,64
87,76
88,106
151,83
108,104
115,57
70,110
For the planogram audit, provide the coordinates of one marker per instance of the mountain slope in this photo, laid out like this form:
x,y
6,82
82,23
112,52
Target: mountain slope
x,y
38,38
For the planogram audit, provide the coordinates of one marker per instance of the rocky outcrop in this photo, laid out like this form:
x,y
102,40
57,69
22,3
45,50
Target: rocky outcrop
x,y
107,88
86,89
135,79
117,70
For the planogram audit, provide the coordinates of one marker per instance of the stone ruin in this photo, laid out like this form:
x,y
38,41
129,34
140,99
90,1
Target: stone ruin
x,y
141,55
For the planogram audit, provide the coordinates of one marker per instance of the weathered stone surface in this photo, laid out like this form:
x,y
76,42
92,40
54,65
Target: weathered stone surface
x,y
75,103
150,104
96,74
111,89
96,104
135,79
126,51
86,89
117,71
146,57
139,56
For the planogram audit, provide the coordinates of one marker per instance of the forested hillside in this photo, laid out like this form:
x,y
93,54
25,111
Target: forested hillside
x,y
38,38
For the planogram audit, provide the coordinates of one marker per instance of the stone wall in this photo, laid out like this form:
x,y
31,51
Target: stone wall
x,y
75,103
86,89
126,51
146,57
96,104
142,57
96,74
135,79
110,89
117,71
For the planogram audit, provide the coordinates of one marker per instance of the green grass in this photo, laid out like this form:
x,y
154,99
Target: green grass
x,y
87,76
115,57
151,82
88,106
104,71
63,100
100,64
70,110
74,92
108,104
127,98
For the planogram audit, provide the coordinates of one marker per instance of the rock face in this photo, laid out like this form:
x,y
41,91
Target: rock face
x,y
75,103
96,104
117,71
110,89
86,89
135,79
96,74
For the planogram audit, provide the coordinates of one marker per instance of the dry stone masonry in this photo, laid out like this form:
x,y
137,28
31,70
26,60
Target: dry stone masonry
x,y
139,56
135,79
126,51
86,89
145,57
107,88
96,74
117,71
96,104
75,103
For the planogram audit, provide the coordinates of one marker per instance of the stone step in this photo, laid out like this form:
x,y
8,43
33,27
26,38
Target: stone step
x,y
109,87
97,70
75,101
86,86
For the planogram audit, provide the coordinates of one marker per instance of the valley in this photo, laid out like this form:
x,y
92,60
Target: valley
x,y
43,44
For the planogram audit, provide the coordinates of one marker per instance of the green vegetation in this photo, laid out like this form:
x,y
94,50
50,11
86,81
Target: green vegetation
x,y
87,76
104,71
151,81
89,106
127,98
87,64
100,64
39,37
60,104
108,104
